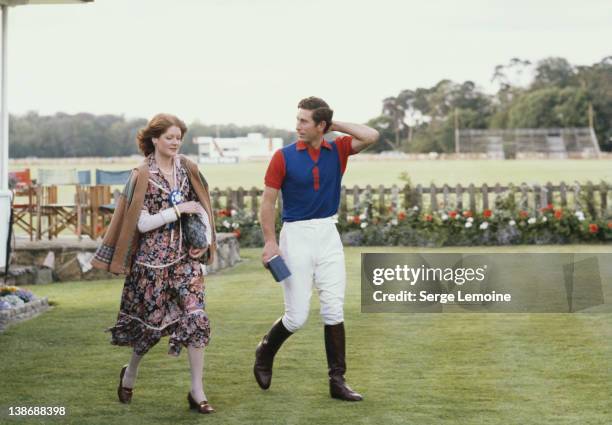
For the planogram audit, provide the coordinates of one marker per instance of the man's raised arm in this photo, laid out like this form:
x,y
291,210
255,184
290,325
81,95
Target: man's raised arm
x,y
363,136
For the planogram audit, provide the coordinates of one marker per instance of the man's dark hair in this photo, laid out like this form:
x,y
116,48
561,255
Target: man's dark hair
x,y
320,110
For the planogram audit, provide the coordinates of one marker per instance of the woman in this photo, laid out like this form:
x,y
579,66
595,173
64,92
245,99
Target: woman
x,y
163,294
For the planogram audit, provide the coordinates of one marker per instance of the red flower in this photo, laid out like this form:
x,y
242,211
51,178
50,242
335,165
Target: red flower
x,y
558,214
610,225
467,213
524,214
356,219
548,207
487,213
401,215
593,228
222,213
452,214
428,217
237,233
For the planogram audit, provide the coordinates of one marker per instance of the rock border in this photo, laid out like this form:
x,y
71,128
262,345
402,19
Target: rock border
x,y
27,311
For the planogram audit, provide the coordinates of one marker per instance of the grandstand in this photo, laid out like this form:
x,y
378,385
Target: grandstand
x,y
554,143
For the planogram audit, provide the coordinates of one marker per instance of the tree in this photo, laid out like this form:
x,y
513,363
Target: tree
x,y
384,125
553,71
550,107
394,109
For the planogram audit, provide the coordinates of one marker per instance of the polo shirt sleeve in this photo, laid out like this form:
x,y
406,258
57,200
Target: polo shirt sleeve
x,y
275,174
345,149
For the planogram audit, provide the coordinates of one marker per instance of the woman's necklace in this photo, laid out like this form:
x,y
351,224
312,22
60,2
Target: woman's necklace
x,y
175,197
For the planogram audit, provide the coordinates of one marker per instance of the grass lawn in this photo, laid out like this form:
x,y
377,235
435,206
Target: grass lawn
x,y
411,368
387,172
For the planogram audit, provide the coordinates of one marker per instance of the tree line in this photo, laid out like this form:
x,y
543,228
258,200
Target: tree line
x,y
549,93
63,135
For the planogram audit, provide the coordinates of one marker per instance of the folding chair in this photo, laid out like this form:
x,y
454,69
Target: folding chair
x,y
60,216
106,202
24,208
112,177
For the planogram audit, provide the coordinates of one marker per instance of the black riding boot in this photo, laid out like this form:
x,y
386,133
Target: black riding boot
x,y
335,350
265,352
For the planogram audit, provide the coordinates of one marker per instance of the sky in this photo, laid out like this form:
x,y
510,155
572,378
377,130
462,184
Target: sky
x,y
251,61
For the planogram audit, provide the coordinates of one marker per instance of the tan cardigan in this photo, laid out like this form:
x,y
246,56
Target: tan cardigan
x,y
120,242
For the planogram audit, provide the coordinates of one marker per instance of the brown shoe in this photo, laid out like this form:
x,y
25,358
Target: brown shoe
x,y
202,407
124,393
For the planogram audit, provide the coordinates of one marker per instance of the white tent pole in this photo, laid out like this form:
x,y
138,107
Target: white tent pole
x,y
4,150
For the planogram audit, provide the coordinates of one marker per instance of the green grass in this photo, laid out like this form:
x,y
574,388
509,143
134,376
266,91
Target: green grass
x,y
411,368
387,172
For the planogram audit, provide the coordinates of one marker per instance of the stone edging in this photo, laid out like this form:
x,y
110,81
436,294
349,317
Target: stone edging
x,y
26,311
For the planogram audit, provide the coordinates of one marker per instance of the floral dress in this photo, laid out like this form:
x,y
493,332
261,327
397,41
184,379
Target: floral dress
x,y
164,291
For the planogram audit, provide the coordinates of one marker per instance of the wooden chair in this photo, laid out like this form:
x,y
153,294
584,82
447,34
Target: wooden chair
x,y
94,219
105,202
24,201
59,216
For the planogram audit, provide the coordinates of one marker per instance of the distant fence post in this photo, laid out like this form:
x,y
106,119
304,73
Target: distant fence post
x,y
343,206
433,198
382,208
459,197
563,194
603,194
419,196
254,200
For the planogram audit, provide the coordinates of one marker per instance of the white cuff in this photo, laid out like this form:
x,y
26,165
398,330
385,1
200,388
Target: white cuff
x,y
147,222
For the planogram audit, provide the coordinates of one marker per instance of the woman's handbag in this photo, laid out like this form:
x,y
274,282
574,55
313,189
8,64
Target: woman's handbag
x,y
194,231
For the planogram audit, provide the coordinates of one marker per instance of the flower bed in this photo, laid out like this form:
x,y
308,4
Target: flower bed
x,y
490,227
17,304
412,227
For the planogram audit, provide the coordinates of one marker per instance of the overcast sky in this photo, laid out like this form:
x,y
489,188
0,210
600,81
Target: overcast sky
x,y
250,61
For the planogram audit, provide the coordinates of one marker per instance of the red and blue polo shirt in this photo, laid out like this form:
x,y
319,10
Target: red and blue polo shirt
x,y
309,179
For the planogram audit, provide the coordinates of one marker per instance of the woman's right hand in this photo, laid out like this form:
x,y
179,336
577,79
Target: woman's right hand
x,y
190,207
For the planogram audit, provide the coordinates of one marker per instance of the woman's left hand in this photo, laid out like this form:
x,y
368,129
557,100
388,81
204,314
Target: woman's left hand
x,y
196,252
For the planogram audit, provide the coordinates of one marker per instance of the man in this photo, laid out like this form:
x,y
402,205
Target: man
x,y
308,173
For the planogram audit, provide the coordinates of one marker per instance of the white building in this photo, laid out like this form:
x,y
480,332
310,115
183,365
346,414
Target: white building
x,y
232,149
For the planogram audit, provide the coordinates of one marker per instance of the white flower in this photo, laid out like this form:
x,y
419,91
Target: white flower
x,y
470,219
394,221
363,225
444,217
512,223
235,225
468,224
233,212
362,216
531,220
484,225
226,224
579,215
544,219
415,208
